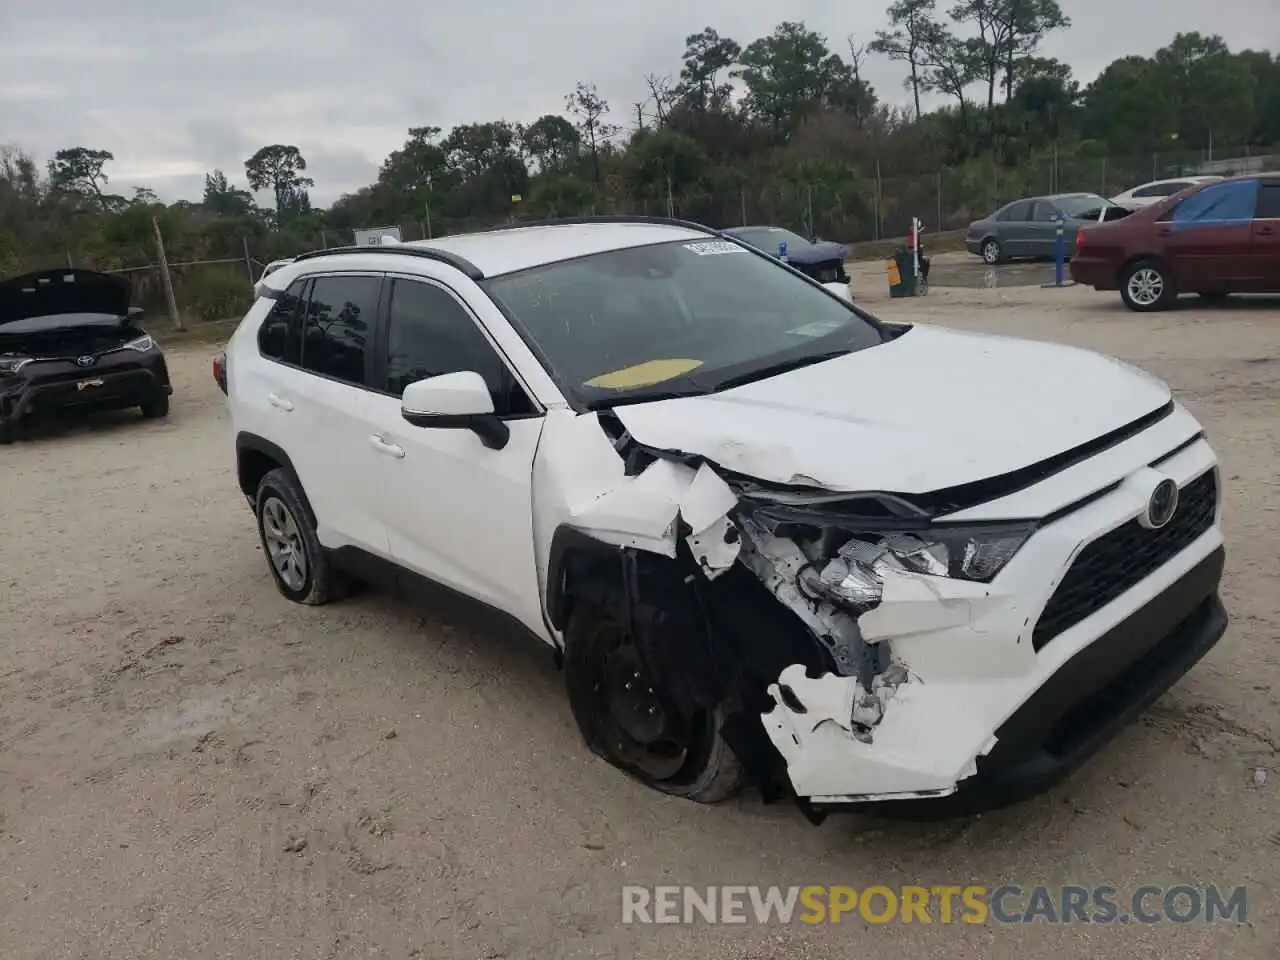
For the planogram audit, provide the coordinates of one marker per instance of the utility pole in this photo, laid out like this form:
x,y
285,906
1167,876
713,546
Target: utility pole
x,y
167,278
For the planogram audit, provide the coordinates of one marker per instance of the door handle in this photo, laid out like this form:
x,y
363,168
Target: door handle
x,y
279,402
1164,232
1265,231
391,449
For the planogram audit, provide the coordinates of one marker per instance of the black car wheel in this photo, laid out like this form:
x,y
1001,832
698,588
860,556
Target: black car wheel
x,y
1146,287
156,408
299,564
991,252
627,717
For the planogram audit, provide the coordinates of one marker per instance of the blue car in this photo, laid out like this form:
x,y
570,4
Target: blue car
x,y
822,260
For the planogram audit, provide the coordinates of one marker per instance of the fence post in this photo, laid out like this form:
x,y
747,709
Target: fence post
x,y
426,209
742,202
174,316
876,232
671,207
1104,176
70,264
808,207
324,239
938,225
248,261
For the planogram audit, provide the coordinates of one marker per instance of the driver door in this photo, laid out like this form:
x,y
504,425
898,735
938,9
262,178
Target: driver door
x,y
457,512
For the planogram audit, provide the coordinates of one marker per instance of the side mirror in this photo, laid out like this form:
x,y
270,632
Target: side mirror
x,y
455,401
840,290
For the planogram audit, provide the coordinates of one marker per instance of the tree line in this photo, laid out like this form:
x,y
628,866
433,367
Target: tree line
x,y
782,128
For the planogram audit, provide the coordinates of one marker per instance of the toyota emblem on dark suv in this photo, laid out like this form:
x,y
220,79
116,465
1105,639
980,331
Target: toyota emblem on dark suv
x,y
85,361
1163,503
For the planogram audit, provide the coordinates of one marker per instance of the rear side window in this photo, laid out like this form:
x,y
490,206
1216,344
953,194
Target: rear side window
x,y
338,319
1161,189
1016,211
1223,203
277,337
1269,201
430,333
1043,211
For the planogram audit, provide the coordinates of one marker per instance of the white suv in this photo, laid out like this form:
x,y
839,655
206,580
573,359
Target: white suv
x,y
766,534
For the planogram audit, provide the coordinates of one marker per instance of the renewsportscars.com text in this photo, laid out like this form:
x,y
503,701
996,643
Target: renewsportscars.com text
x,y
1005,904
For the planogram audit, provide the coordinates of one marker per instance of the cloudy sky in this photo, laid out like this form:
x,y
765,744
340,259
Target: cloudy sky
x,y
176,89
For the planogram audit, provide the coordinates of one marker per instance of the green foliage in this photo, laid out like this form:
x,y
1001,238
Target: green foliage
x,y
213,293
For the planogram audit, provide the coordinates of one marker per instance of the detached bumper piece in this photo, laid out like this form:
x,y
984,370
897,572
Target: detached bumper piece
x,y
1086,702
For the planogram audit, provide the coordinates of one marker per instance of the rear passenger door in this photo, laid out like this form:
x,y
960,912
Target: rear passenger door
x,y
324,399
1013,229
1264,247
1042,230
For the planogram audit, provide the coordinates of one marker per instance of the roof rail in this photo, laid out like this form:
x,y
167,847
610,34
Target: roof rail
x,y
424,253
607,218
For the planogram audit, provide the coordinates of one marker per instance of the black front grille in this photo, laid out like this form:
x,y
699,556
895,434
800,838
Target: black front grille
x,y
1120,559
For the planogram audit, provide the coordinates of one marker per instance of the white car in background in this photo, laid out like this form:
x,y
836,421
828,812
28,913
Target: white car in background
x,y
766,534
269,269
1148,193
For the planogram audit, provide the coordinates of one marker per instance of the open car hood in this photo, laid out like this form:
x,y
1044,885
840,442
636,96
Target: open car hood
x,y
930,410
51,292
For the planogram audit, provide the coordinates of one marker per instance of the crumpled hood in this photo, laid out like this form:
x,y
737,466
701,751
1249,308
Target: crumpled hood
x,y
933,409
51,292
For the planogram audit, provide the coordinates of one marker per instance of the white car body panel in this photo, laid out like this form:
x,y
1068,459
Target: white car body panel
x,y
901,418
1127,199
930,410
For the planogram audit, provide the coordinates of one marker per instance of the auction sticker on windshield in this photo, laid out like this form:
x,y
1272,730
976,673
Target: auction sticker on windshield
x,y
705,248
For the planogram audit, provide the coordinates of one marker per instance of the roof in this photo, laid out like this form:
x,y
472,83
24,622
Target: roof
x,y
496,252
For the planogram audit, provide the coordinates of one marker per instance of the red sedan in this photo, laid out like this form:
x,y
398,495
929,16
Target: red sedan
x,y
1213,240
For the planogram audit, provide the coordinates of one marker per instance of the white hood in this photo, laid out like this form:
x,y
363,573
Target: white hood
x,y
932,409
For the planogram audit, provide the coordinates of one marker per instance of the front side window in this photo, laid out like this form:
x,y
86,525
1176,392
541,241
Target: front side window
x,y
1044,211
688,316
338,319
1269,201
277,336
430,333
1218,205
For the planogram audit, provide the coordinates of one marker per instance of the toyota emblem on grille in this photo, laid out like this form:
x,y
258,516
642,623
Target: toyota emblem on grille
x,y
1162,504
85,361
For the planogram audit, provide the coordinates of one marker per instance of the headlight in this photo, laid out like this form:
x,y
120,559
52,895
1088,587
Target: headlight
x,y
853,576
142,344
12,364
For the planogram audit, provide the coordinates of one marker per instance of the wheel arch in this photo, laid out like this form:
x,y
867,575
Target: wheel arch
x,y
1137,258
574,561
255,458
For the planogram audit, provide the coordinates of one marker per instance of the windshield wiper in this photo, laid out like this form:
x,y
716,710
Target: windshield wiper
x,y
784,366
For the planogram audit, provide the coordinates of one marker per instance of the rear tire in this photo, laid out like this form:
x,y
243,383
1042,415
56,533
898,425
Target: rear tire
x,y
156,407
299,564
696,764
1146,286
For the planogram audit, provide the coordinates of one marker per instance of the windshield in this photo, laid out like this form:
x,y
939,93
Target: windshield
x,y
1086,206
684,317
768,239
58,321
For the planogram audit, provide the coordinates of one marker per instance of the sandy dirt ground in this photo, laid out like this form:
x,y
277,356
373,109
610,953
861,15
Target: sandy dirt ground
x,y
192,767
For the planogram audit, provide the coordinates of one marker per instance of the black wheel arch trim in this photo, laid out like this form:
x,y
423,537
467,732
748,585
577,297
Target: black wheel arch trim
x,y
567,544
251,442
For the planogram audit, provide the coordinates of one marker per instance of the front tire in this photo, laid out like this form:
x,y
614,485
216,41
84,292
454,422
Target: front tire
x,y
1146,287
629,720
156,407
991,251
298,563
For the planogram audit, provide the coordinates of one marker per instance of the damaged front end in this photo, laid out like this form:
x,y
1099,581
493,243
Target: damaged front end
x,y
818,617
866,574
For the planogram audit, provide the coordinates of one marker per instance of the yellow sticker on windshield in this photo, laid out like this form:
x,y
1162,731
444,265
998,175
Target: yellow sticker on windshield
x,y
643,374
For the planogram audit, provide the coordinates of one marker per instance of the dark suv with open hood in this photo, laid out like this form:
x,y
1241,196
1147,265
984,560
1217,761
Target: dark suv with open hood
x,y
69,339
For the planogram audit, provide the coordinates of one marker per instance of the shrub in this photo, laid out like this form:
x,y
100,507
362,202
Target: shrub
x,y
211,293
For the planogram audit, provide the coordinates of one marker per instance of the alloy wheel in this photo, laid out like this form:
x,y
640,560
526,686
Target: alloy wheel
x,y
1146,286
284,543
